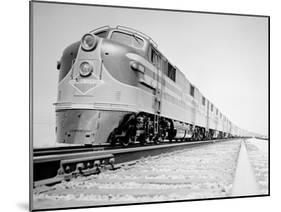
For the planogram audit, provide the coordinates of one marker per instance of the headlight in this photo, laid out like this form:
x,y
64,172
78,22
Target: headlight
x,y
85,69
88,42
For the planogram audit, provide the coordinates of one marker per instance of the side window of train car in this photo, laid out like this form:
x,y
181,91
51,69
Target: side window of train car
x,y
154,58
127,39
171,72
203,101
191,90
212,107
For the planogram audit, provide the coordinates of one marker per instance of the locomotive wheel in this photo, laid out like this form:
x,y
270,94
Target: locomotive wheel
x,y
156,140
170,139
112,139
142,140
125,141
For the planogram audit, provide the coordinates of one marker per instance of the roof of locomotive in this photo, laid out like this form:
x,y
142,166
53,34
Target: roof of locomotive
x,y
127,29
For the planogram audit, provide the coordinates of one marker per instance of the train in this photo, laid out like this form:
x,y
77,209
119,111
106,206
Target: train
x,y
116,87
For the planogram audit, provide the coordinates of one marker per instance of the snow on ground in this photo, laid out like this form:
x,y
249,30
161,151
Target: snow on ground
x,y
245,181
198,172
258,156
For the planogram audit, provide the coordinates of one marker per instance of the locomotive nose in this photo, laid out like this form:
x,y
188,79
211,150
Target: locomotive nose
x,y
85,126
76,120
76,126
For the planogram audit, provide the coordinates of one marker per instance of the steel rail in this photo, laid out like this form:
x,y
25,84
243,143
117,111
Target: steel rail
x,y
47,166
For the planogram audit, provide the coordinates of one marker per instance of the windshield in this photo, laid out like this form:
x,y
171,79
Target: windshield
x,y
102,34
127,39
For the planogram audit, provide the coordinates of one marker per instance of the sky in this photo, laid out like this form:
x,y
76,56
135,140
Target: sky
x,y
224,56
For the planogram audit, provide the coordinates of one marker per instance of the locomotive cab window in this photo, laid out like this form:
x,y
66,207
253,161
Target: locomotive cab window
x,y
127,39
102,34
137,42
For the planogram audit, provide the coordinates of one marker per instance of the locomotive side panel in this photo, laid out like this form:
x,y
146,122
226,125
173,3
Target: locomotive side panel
x,y
216,118
200,119
211,116
220,122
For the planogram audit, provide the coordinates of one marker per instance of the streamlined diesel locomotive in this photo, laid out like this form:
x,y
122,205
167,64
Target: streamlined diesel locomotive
x,y
116,87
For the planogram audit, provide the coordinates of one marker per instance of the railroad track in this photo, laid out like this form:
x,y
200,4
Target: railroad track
x,y
205,171
53,165
64,150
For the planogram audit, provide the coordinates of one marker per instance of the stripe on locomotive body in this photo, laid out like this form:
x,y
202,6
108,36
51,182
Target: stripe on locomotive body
x,y
170,87
152,70
88,84
109,106
181,100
